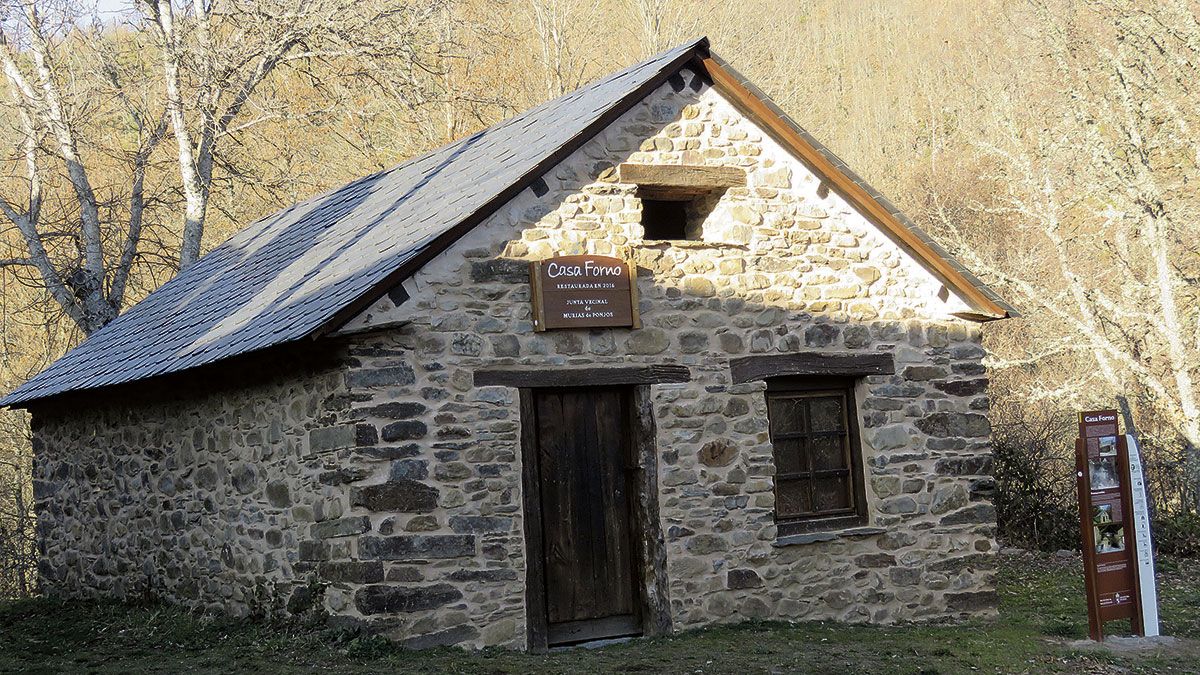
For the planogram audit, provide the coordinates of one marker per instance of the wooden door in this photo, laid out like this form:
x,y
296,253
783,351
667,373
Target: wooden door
x,y
584,458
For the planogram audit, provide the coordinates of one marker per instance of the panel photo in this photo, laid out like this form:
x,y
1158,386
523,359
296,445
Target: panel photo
x,y
1102,473
1102,514
1110,538
1108,446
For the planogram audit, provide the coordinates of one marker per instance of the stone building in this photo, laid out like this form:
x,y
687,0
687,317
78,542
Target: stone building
x,y
347,408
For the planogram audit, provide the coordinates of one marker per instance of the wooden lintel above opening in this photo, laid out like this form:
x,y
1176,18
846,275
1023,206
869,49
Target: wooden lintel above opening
x,y
581,377
680,181
751,368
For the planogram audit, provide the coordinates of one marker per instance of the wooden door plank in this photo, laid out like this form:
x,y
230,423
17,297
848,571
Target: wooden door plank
x,y
535,577
559,509
616,533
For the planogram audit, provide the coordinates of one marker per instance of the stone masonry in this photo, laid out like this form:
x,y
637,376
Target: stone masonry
x,y
388,489
205,500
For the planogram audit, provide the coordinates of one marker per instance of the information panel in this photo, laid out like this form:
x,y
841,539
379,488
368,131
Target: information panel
x,y
1106,522
583,291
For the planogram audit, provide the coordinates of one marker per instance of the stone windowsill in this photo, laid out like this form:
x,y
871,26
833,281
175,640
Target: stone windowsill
x,y
826,535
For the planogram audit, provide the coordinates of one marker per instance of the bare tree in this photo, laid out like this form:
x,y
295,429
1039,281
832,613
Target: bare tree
x,y
560,28
656,24
214,58
1094,187
18,535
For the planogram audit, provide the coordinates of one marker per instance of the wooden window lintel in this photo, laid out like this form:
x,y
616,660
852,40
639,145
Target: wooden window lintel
x,y
759,367
581,377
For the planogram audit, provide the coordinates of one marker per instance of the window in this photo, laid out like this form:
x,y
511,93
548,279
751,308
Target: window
x,y
818,461
677,198
664,220
680,216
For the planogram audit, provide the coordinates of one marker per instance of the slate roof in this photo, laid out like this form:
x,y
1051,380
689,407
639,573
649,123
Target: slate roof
x,y
284,277
301,271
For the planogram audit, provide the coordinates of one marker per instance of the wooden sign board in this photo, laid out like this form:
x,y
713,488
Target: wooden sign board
x,y
583,291
1106,522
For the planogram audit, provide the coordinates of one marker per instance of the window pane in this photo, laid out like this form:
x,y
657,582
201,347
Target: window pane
x,y
789,457
831,494
826,413
828,452
785,415
791,498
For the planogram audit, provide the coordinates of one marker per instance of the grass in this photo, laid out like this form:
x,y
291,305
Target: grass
x,y
1042,610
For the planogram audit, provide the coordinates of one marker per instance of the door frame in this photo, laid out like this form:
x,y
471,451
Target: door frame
x,y
650,555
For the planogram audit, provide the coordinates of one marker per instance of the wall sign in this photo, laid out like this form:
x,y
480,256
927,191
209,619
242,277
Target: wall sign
x,y
583,291
1107,522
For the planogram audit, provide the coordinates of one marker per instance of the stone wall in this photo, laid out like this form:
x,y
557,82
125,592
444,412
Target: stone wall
x,y
782,266
396,483
202,499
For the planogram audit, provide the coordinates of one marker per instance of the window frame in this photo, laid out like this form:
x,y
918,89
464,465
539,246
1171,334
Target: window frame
x,y
803,387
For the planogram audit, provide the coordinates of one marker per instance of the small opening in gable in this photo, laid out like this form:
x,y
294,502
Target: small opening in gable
x,y
678,198
676,218
664,219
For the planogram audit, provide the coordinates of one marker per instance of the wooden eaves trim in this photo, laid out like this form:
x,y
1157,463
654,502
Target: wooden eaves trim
x,y
784,131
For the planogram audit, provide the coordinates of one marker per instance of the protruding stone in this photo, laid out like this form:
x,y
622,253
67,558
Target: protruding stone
x,y
402,495
963,387
503,574
391,376
699,287
706,543
948,424
480,524
396,410
975,465
278,494
442,638
648,341
417,546
820,335
719,452
404,430
500,270
875,560
890,437
979,513
921,373
342,527
743,578
404,599
354,572
332,438
244,478
947,499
